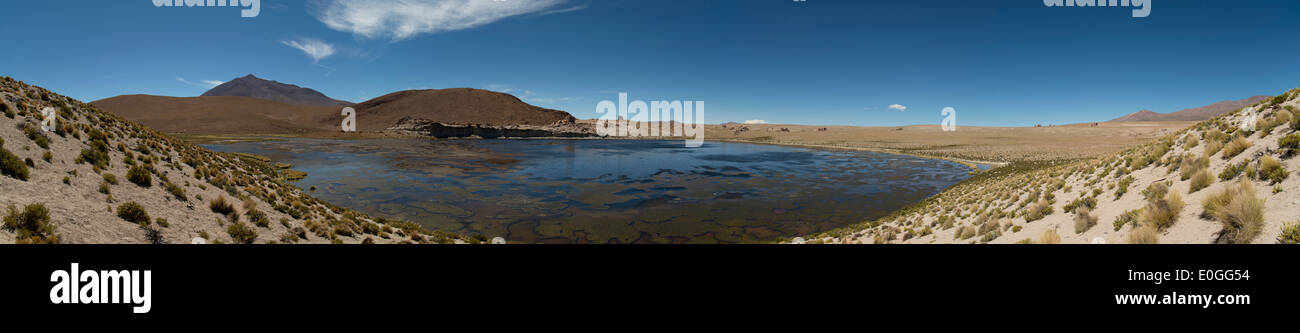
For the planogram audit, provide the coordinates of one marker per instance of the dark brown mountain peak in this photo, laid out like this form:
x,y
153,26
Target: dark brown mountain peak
x,y
252,86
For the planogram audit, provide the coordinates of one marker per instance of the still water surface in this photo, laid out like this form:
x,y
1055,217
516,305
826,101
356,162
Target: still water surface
x,y
609,191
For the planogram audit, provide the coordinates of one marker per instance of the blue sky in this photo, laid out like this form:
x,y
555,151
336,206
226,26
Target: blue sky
x,y
824,62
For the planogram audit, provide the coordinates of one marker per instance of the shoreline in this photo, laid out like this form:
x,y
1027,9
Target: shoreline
x,y
238,138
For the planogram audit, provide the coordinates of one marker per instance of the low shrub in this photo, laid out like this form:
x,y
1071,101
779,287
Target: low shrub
x,y
241,233
133,212
1290,144
12,166
176,191
110,178
140,175
1290,233
1130,216
1232,171
258,218
1122,187
31,225
1085,202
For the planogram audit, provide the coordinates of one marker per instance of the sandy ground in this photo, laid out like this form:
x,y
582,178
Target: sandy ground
x,y
964,202
992,144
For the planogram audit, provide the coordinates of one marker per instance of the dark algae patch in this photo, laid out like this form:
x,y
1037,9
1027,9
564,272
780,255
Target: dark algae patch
x,y
609,191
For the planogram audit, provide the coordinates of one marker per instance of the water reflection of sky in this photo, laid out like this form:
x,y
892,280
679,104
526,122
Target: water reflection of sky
x,y
609,190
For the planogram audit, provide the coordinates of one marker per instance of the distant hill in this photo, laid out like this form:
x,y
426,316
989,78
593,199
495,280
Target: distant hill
x,y
216,114
472,111
252,86
1193,114
456,106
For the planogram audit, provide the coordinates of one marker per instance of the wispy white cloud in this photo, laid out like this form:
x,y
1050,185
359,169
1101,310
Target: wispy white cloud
x,y
401,19
313,48
755,122
202,83
563,10
898,107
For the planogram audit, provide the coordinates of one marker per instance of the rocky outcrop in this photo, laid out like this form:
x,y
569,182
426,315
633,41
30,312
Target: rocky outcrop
x,y
425,127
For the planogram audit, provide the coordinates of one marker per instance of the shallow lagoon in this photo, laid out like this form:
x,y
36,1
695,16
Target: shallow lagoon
x,y
609,191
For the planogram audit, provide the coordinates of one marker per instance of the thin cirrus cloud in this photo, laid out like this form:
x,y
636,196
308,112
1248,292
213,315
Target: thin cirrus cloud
x,y
314,49
402,19
202,83
898,107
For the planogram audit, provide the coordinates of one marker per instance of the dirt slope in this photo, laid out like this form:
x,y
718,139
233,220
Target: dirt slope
x,y
1215,182
100,179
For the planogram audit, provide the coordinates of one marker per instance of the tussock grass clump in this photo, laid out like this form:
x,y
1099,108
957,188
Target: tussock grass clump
x,y
1190,142
1050,237
1083,220
1155,191
1190,165
1212,147
133,212
1214,135
1144,235
1200,180
1271,169
1290,233
109,178
1235,147
964,232
1162,213
1238,209
241,233
31,225
221,206
140,175
1038,211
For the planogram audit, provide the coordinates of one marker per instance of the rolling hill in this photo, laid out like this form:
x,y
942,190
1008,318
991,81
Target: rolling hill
x,y
456,106
1192,114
